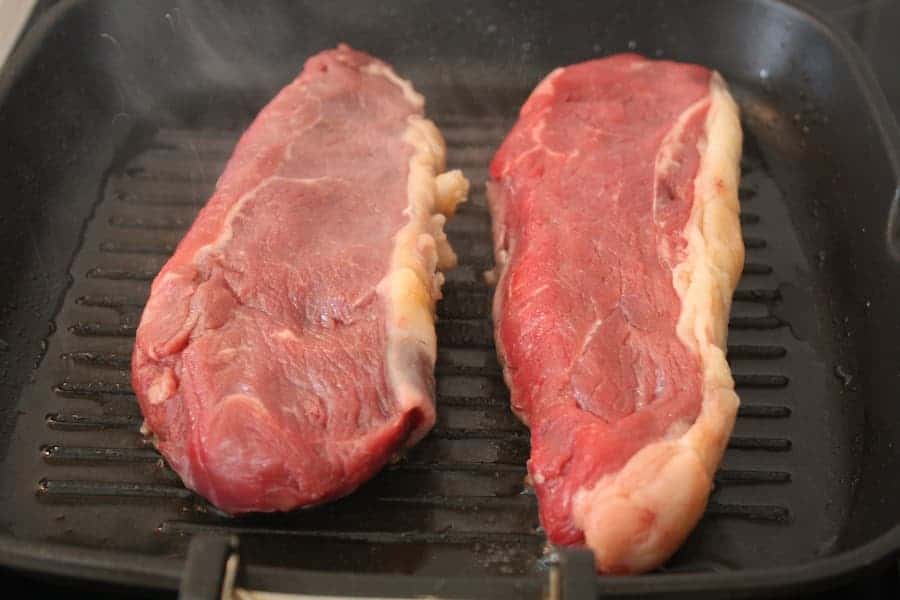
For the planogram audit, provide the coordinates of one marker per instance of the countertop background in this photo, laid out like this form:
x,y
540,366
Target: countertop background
x,y
873,24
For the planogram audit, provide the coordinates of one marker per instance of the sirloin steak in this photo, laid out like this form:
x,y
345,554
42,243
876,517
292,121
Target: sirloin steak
x,y
618,247
286,351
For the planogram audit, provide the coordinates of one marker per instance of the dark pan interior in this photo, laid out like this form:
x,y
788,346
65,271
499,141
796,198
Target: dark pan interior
x,y
111,149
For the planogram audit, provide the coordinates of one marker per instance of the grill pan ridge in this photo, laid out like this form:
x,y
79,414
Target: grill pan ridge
x,y
795,500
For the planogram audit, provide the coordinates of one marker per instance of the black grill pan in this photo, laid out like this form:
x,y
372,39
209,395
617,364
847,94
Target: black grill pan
x,y
116,119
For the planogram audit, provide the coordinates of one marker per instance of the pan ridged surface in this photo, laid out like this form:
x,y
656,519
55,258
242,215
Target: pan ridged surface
x,y
458,500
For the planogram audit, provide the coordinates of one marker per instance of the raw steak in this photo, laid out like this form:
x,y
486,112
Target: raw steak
x,y
287,348
618,247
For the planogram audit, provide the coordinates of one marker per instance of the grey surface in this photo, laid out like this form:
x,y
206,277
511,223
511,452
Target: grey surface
x,y
13,16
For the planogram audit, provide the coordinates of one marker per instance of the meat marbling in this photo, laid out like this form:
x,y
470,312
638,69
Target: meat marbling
x,y
618,248
286,351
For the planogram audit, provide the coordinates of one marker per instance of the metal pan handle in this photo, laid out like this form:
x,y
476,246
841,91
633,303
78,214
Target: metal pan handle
x,y
213,564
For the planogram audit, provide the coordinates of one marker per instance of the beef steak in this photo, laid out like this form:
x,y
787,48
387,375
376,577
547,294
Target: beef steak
x,y
618,247
287,348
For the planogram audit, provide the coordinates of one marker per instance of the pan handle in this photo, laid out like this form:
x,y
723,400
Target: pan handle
x,y
212,571
208,566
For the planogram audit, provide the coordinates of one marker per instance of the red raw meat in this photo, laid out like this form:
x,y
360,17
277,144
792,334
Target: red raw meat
x,y
287,348
618,247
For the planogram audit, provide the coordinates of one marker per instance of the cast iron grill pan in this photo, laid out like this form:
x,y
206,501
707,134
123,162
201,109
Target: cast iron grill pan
x,y
460,495
457,503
